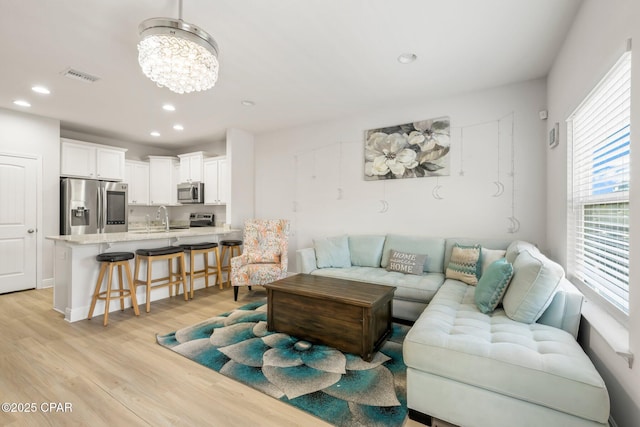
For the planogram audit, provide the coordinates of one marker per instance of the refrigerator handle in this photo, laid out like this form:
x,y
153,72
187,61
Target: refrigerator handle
x,y
103,223
101,206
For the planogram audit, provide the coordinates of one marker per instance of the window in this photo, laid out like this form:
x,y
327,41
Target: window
x,y
598,211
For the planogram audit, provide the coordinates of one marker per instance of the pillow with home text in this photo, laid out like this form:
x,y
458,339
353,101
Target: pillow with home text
x,y
407,263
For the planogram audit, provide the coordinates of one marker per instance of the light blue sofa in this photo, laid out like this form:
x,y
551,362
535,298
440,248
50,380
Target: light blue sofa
x,y
470,368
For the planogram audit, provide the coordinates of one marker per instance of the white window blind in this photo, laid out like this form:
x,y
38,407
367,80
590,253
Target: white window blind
x,y
598,238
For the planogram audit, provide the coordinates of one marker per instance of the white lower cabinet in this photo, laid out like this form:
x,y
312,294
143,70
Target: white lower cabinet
x,y
216,180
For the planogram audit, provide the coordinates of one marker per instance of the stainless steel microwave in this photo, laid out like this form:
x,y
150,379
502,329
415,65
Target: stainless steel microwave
x,y
191,192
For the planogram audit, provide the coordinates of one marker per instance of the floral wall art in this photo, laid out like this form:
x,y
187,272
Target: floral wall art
x,y
412,150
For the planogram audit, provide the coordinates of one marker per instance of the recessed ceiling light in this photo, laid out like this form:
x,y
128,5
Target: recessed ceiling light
x,y
248,103
168,107
407,58
21,103
178,127
155,133
41,89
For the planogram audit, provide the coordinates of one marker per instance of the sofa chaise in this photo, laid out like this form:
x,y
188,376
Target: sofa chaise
x,y
515,362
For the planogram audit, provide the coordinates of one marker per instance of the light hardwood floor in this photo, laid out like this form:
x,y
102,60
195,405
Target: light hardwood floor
x,y
118,375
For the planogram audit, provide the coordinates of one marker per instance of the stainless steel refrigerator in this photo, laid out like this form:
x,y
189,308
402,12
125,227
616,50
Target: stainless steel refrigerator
x,y
88,206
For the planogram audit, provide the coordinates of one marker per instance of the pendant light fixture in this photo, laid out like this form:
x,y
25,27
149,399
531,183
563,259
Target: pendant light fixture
x,y
177,55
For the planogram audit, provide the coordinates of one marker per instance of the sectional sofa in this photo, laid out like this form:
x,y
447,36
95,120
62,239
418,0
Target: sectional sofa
x,y
497,350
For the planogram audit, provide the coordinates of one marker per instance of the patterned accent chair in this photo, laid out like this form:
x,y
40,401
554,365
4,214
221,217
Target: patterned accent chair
x,y
264,257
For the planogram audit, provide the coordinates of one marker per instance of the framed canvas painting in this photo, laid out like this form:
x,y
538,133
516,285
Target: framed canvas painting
x,y
412,150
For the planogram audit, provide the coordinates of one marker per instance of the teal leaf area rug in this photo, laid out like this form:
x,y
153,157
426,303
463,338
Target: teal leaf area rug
x,y
339,388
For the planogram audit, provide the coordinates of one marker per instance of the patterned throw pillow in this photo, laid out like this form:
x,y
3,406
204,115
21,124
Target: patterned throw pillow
x,y
464,264
493,285
403,262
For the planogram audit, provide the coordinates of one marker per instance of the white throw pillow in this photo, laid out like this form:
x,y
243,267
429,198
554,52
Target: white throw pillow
x,y
489,256
535,280
517,246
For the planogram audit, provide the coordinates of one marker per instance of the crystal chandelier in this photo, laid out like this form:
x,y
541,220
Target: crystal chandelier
x,y
177,55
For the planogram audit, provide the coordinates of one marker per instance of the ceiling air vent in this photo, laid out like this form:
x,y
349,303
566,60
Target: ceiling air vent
x,y
79,75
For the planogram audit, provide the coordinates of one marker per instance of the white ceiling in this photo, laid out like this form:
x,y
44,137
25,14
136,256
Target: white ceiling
x,y
300,61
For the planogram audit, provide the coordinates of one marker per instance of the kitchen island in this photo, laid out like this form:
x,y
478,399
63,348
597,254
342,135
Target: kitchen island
x,y
76,269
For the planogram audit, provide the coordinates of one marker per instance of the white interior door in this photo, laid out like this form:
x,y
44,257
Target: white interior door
x,y
18,260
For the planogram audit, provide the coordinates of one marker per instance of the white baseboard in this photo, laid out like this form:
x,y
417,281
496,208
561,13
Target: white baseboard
x,y
48,283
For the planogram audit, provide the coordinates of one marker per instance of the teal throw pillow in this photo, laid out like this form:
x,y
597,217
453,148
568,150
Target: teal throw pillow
x,y
332,252
492,285
366,250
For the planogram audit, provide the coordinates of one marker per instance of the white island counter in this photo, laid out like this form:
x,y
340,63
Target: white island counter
x,y
76,268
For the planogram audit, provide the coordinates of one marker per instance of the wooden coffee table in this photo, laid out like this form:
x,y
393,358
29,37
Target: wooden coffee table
x,y
354,317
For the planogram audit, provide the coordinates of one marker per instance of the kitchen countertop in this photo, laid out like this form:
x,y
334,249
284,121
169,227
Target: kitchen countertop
x,y
140,234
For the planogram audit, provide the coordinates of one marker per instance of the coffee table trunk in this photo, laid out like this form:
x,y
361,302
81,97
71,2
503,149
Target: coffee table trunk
x,y
353,317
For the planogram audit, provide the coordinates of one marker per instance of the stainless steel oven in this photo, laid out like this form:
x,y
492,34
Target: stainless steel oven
x,y
199,219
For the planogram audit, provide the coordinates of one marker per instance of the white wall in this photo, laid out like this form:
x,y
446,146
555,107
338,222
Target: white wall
x,y
299,172
595,41
38,136
241,161
211,149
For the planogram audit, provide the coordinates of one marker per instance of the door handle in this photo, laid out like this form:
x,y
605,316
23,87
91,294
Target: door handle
x,y
31,230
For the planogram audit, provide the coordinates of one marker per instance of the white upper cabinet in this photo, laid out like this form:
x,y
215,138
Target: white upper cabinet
x,y
77,160
175,180
224,187
191,166
210,172
216,181
137,176
162,182
110,164
85,160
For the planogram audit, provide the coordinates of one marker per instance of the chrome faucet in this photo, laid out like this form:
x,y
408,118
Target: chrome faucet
x,y
165,221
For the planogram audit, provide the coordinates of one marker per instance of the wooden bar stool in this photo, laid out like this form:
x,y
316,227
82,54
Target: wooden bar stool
x,y
108,260
233,249
202,249
168,253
